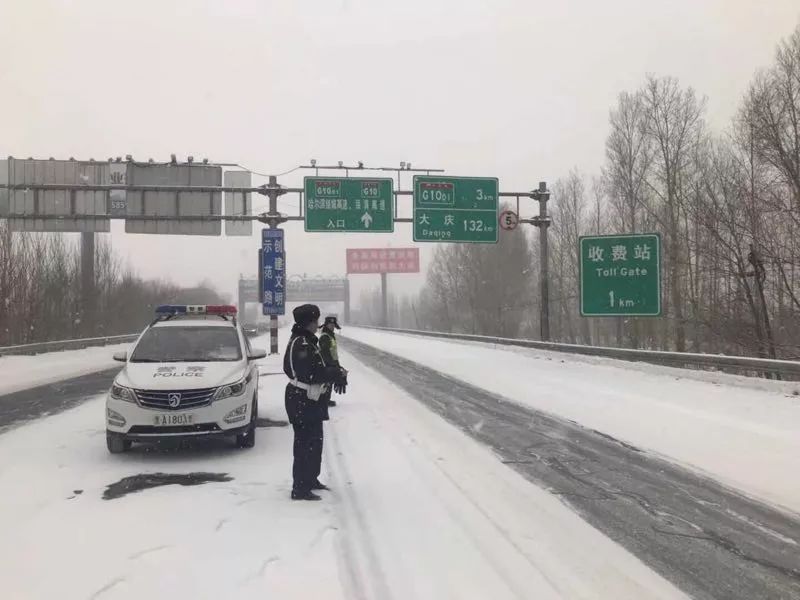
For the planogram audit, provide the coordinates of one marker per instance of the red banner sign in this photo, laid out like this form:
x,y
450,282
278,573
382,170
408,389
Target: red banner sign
x,y
383,260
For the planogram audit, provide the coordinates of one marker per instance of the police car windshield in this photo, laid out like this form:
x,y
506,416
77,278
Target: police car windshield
x,y
188,344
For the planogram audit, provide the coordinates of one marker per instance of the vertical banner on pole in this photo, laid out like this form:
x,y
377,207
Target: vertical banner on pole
x,y
273,272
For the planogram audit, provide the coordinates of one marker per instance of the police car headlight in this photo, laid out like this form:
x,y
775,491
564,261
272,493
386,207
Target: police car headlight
x,y
119,392
232,389
238,414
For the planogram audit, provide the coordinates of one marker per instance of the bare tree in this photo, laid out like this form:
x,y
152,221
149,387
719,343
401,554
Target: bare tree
x,y
773,112
477,288
629,156
674,122
569,223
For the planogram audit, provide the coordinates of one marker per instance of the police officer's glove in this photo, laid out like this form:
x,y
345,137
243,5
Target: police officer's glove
x,y
340,387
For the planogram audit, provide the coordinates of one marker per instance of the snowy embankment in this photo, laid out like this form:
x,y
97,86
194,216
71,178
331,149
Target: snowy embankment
x,y
24,372
744,432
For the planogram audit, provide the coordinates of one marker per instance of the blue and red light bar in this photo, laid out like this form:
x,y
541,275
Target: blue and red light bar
x,y
196,309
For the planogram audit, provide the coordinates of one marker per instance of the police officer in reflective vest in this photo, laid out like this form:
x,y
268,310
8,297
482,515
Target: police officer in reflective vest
x,y
309,379
330,354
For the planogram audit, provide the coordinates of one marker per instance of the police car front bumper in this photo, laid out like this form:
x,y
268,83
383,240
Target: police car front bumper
x,y
227,417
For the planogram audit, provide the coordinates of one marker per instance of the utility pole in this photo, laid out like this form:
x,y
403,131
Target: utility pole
x,y
384,302
542,221
88,317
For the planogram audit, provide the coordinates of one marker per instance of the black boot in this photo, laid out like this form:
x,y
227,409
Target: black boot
x,y
305,496
331,402
318,485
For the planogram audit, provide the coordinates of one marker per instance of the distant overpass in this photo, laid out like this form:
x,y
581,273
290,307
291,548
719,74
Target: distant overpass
x,y
301,289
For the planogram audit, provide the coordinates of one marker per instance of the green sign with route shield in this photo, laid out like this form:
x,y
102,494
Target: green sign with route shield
x,y
455,209
621,275
350,205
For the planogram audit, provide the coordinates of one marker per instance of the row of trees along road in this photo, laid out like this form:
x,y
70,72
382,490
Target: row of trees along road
x,y
727,205
40,293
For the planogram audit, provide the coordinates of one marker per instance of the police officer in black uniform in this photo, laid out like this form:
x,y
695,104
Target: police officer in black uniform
x,y
309,378
330,354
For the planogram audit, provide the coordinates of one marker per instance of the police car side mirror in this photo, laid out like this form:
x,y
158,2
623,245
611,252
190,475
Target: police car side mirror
x,y
121,356
256,353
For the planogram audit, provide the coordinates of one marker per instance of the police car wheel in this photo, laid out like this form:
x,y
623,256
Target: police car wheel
x,y
116,443
248,438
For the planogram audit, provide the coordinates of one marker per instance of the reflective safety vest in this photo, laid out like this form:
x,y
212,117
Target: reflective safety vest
x,y
329,344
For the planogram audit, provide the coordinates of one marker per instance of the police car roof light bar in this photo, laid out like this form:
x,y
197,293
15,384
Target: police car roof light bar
x,y
196,309
220,309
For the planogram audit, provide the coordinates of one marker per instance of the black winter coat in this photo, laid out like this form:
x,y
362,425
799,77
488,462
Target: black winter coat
x,y
303,361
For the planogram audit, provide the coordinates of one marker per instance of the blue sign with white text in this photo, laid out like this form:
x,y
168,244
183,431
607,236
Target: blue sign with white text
x,y
272,267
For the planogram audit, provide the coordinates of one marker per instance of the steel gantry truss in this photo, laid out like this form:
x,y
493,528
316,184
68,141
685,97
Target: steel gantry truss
x,y
273,218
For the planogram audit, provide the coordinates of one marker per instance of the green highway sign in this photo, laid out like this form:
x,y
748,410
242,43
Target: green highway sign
x,y
621,275
455,209
351,205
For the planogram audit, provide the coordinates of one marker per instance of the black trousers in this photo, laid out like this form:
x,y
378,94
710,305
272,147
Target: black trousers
x,y
307,454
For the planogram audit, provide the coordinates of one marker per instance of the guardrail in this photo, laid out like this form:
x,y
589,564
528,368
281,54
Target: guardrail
x,y
41,347
681,359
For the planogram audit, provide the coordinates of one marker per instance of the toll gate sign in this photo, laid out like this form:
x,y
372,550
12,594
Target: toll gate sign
x,y
620,275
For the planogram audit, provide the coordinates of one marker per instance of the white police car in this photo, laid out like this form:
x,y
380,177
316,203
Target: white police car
x,y
190,374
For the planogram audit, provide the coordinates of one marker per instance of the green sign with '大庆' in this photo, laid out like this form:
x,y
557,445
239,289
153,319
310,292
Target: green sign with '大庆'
x,y
455,209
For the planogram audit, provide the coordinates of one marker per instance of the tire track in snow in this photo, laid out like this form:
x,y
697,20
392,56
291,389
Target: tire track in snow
x,y
365,576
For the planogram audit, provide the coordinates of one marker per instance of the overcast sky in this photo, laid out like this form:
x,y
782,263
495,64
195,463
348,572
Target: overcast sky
x,y
519,90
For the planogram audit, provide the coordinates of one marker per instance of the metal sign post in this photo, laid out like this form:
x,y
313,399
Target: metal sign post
x,y
542,221
621,275
273,219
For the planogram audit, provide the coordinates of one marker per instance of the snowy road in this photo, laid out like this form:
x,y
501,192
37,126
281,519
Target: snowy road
x,y
419,510
742,431
422,507
709,540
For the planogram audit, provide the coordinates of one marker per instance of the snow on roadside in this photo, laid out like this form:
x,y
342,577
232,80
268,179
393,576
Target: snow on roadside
x,y
745,437
217,540
791,388
24,372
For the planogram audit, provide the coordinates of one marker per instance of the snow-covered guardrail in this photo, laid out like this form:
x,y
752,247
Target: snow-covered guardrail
x,y
658,357
41,347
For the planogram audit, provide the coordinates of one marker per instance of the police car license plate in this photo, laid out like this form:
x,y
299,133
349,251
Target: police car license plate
x,y
168,420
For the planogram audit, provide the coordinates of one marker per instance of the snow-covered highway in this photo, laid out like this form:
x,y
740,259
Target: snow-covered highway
x,y
474,477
